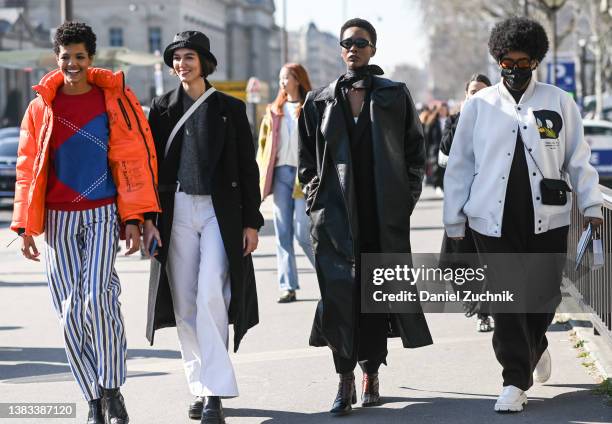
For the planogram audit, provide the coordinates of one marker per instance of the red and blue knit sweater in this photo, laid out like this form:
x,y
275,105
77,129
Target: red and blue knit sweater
x,y
79,174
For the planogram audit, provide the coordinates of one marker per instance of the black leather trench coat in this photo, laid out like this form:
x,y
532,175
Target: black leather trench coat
x,y
399,159
235,196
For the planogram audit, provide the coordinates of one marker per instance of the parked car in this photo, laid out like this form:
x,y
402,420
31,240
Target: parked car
x,y
598,135
9,132
8,161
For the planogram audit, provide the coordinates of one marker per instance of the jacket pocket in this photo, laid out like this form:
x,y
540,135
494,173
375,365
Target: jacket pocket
x,y
126,117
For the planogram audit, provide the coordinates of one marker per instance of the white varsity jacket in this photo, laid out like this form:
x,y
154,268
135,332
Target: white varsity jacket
x,y
483,148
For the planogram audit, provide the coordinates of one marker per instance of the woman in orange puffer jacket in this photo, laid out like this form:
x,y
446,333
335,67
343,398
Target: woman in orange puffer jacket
x,y
86,163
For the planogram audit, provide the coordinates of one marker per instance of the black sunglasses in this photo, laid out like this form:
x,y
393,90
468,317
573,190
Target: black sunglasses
x,y
360,43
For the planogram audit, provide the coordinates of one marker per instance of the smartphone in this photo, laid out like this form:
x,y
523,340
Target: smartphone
x,y
153,247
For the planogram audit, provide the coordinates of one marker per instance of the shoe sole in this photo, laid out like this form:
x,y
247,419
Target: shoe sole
x,y
370,404
341,413
510,407
194,416
293,299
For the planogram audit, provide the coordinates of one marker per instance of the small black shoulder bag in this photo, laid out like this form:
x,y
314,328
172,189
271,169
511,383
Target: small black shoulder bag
x,y
553,192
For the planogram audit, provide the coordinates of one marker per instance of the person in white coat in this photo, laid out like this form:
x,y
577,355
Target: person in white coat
x,y
511,137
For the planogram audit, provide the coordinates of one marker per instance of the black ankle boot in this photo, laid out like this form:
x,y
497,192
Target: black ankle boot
x,y
195,408
370,395
95,412
212,412
113,407
346,395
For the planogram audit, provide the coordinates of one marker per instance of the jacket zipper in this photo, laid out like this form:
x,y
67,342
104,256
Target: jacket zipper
x,y
144,139
125,114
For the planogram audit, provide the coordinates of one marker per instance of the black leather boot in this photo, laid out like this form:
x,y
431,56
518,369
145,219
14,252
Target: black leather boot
x,y
95,412
195,408
113,407
212,412
369,390
346,396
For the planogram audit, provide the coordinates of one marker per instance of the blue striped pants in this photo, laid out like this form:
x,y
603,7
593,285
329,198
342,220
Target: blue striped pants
x,y
81,247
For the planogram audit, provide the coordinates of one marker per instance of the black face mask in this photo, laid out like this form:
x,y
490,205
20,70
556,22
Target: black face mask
x,y
516,78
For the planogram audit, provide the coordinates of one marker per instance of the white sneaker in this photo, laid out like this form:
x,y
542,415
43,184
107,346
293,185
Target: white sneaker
x,y
511,399
541,374
439,193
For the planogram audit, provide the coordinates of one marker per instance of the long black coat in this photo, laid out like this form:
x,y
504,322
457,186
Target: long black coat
x,y
434,138
235,196
399,159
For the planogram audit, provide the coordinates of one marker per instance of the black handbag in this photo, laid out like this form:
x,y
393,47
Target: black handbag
x,y
553,192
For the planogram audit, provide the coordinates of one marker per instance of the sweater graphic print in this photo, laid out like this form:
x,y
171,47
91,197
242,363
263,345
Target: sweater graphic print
x,y
79,174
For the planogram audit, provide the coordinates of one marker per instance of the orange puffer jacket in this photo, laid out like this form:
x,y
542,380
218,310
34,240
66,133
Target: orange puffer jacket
x,y
131,151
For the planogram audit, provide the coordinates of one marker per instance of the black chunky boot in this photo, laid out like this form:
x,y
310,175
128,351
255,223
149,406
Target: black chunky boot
x,y
95,412
346,396
113,407
370,395
212,412
195,408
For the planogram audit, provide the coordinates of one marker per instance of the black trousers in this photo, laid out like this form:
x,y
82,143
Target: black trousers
x,y
371,330
371,345
519,339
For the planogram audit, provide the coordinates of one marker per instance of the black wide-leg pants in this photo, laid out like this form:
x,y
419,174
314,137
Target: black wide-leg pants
x,y
519,338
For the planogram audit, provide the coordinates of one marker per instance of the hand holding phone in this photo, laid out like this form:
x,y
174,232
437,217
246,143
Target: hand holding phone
x,y
153,247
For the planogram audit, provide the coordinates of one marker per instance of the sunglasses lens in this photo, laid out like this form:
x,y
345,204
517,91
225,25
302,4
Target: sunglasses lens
x,y
523,63
347,43
361,43
507,63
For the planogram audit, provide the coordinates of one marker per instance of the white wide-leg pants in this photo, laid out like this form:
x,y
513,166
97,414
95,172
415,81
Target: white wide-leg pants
x,y
198,272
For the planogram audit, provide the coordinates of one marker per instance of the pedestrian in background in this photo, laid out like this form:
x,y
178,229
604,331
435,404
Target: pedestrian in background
x,y
85,165
277,158
202,276
484,320
434,124
360,194
516,147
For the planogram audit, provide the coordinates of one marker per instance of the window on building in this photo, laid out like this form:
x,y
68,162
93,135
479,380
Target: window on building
x,y
116,37
155,39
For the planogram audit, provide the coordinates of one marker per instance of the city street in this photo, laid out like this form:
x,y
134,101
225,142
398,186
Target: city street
x,y
281,378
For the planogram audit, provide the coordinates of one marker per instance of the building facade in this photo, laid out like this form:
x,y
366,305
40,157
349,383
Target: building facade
x,y
318,52
242,33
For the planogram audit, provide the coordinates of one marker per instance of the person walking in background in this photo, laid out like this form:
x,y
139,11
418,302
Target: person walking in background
x,y
277,158
484,320
516,147
360,194
202,276
476,83
434,125
86,164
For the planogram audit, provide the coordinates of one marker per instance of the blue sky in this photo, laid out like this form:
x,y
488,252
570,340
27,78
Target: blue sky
x,y
398,23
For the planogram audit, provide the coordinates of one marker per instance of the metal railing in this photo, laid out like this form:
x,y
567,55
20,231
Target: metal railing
x,y
593,290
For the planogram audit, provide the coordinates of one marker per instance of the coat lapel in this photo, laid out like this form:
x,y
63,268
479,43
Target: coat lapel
x,y
175,111
216,118
333,128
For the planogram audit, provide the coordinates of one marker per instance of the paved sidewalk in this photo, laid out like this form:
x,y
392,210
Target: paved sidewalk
x,y
281,379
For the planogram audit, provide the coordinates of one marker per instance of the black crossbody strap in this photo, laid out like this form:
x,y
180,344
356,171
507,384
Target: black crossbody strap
x,y
532,158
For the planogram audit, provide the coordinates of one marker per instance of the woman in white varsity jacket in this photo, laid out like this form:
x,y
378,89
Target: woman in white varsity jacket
x,y
509,138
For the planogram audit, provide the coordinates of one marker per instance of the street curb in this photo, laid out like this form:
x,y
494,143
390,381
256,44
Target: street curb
x,y
599,352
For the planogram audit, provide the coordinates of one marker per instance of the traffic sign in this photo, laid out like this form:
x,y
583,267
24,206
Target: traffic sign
x,y
565,75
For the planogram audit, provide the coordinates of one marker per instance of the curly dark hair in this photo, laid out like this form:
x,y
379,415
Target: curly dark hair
x,y
360,23
518,34
75,33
